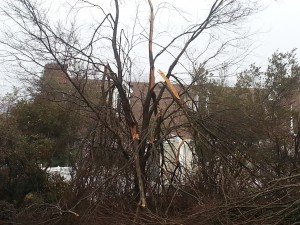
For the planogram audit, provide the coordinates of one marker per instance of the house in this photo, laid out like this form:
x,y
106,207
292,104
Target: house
x,y
85,90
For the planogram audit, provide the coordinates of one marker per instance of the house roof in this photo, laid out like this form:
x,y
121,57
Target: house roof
x,y
97,90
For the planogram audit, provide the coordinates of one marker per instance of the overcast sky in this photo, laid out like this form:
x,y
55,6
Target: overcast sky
x,y
275,27
279,28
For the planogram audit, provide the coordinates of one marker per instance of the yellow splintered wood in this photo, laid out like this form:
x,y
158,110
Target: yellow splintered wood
x,y
171,86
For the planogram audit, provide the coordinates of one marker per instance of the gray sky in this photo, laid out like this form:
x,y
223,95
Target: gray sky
x,y
275,27
278,27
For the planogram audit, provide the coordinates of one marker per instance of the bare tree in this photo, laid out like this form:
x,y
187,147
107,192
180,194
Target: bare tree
x,y
106,50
